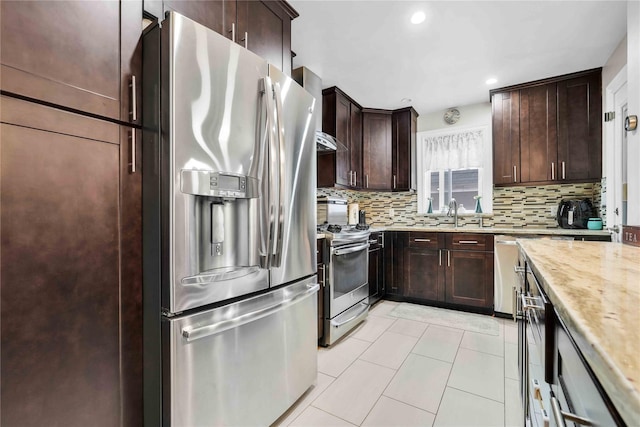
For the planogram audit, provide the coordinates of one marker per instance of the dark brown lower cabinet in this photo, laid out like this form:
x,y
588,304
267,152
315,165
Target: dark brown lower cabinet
x,y
376,267
423,274
321,282
70,271
469,278
447,269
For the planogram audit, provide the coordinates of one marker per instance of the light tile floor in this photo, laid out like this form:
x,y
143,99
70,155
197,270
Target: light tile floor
x,y
399,372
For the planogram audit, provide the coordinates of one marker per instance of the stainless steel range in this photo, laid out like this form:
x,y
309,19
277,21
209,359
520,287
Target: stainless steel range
x,y
347,289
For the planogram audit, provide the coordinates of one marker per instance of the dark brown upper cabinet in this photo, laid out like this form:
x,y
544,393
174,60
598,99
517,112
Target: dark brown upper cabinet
x,y
263,27
404,129
377,145
548,131
538,134
81,55
342,118
376,149
580,128
505,111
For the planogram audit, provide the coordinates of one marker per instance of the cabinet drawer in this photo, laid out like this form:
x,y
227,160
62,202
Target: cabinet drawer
x,y
471,242
419,239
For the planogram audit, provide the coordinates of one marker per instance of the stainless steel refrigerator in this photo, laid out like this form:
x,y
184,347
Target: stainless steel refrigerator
x,y
229,178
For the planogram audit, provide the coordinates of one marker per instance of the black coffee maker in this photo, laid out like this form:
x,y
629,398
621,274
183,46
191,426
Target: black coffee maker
x,y
362,221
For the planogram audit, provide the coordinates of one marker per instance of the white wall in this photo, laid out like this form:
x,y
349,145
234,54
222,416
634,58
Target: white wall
x,y
633,88
473,115
616,61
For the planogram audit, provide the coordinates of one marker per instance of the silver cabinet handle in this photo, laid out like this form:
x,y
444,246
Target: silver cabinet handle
x,y
394,182
233,32
553,171
373,241
132,168
507,242
440,257
192,334
563,170
421,240
468,242
518,269
355,178
134,100
323,277
246,40
366,177
448,258
515,169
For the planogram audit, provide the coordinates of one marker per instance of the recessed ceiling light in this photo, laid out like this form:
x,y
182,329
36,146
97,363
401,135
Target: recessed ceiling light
x,y
491,81
405,100
418,17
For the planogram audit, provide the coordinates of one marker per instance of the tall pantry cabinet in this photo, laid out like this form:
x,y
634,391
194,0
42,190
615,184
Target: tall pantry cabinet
x,y
70,199
70,229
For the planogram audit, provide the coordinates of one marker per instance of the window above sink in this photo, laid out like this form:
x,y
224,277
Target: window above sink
x,y
456,164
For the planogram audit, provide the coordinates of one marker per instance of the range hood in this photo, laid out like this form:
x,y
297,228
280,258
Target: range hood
x,y
325,142
313,84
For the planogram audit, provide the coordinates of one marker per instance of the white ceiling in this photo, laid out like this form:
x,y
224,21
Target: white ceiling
x,y
371,51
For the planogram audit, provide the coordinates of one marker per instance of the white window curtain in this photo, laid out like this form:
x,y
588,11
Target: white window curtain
x,y
455,150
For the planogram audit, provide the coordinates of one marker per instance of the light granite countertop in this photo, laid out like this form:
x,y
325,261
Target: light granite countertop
x,y
595,288
494,230
498,230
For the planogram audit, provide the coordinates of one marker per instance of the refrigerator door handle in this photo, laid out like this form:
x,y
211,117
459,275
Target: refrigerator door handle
x,y
192,334
277,261
269,213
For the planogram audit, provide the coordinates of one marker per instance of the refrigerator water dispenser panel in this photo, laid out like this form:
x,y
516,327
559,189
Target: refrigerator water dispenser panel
x,y
218,184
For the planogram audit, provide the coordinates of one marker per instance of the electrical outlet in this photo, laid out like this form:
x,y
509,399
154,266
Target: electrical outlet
x,y
553,210
391,213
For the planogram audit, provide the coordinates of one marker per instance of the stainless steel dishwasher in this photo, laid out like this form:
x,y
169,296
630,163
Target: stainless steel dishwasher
x,y
505,278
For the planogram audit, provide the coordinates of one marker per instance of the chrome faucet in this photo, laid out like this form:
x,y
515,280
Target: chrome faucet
x,y
453,205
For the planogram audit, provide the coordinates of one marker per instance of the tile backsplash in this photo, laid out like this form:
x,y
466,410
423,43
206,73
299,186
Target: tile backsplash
x,y
513,207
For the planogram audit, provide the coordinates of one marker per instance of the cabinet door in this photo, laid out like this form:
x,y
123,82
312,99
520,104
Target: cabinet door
x,y
580,128
376,274
67,53
131,61
344,172
376,151
405,125
355,144
395,243
265,29
538,136
326,169
469,278
506,137
423,274
321,282
60,274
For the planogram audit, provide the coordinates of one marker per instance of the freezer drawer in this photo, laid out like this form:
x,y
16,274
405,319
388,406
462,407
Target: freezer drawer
x,y
241,364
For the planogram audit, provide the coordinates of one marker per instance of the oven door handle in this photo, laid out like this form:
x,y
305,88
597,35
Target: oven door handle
x,y
364,308
351,249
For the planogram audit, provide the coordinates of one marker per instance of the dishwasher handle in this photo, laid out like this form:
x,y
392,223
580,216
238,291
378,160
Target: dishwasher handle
x,y
192,334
